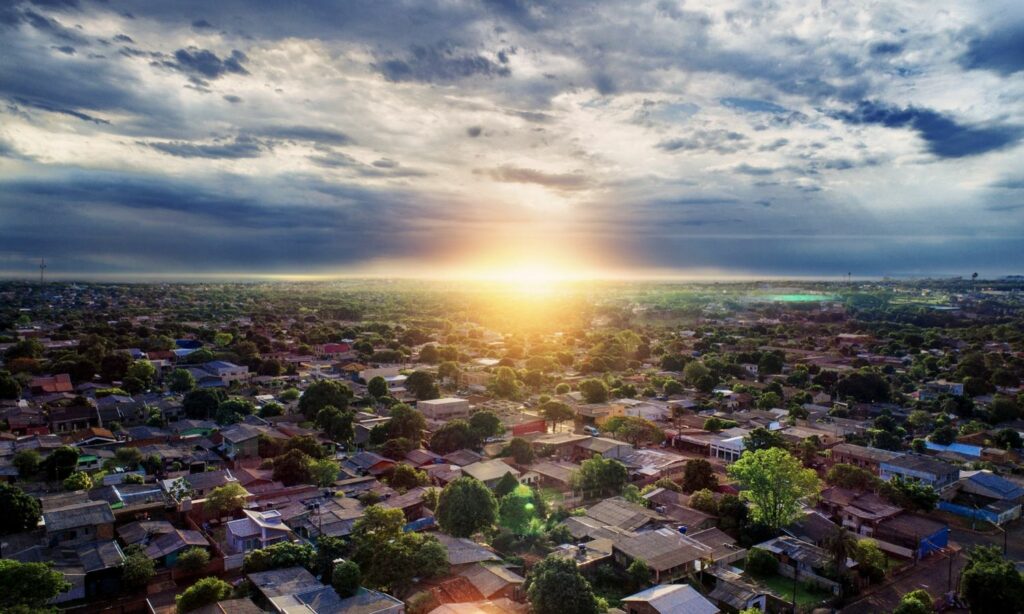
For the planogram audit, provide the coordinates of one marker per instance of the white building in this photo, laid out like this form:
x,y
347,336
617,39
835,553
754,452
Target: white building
x,y
444,409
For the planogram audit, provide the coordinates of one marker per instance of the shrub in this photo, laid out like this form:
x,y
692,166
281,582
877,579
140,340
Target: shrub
x,y
761,563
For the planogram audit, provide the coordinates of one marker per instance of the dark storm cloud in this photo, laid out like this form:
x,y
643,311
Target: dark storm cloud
x,y
885,48
205,63
202,24
555,181
440,63
313,134
944,136
233,149
474,131
1000,50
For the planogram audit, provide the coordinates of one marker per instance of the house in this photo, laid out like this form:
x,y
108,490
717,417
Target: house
x,y
668,553
917,467
918,535
101,564
447,408
812,527
198,485
668,599
809,562
556,474
490,472
733,593
143,531
367,463
861,456
227,372
79,523
463,551
461,458
241,441
486,606
622,514
51,384
65,419
673,505
723,547
293,589
166,548
420,457
257,530
860,512
728,447
493,581
603,447
984,495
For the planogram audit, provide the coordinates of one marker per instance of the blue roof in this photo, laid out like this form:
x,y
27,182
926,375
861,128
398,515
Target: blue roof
x,y
193,344
959,448
1005,488
220,364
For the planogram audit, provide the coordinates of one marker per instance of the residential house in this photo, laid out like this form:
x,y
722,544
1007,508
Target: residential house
x,y
65,419
669,554
447,408
227,372
166,548
622,514
367,463
257,530
101,564
984,495
917,467
857,511
668,599
51,384
918,535
493,581
79,523
293,589
490,472
198,485
861,456
601,446
809,562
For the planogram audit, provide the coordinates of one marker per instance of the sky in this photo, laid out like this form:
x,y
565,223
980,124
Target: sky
x,y
732,138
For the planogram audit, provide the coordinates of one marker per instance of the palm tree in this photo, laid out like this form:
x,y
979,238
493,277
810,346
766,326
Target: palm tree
x,y
840,544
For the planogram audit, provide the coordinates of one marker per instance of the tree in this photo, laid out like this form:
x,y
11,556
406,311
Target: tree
x,y
909,494
761,563
137,569
270,410
225,500
142,370
202,403
308,445
193,560
557,412
232,411
404,477
866,386
639,574
18,511
279,556
698,475
336,424
871,561
181,381
715,424
773,482
694,371
406,422
421,385
27,462
396,449
128,457
763,439
989,582
322,394
704,501
505,385
732,513
29,587
594,390
390,558
486,424
505,485
9,387
944,435
61,463
555,586
521,450
204,592
673,387
429,354
915,602
840,545
851,477
377,387
1007,439
466,506
454,435
346,578
634,429
1003,409
78,480
292,468
600,476
517,510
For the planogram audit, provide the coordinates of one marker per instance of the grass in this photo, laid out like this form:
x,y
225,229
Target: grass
x,y
783,587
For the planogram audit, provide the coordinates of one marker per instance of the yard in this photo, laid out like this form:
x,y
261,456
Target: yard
x,y
783,587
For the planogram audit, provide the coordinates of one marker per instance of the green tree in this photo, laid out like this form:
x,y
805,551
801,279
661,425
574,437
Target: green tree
x,y
871,561
486,424
404,477
346,578
517,510
774,482
322,394
308,445
225,500
840,545
336,424
851,476
635,430
232,411
505,485
29,587
377,387
137,569
505,385
915,602
1007,439
555,586
18,511
909,494
698,475
78,480
128,457
594,390
763,439
10,388
639,574
556,412
466,506
454,435
761,563
61,463
204,592
406,422
181,381
390,558
521,450
27,462
421,385
202,403
1003,409
279,556
193,560
694,371
990,583
600,476
944,435
293,467
142,370
704,501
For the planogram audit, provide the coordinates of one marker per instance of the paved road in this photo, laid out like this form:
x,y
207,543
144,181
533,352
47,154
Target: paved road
x,y
934,575
1014,541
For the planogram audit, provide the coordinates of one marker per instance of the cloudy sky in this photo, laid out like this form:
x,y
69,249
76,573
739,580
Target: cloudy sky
x,y
740,138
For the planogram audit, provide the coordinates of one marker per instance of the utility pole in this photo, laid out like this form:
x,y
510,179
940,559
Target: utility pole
x,y
42,270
